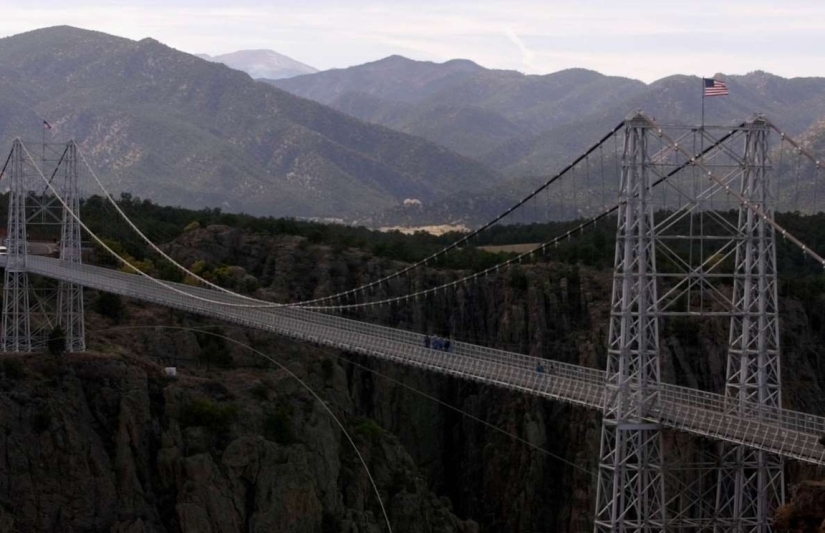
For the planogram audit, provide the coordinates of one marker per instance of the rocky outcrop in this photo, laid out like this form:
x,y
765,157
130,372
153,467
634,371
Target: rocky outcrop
x,y
97,443
806,511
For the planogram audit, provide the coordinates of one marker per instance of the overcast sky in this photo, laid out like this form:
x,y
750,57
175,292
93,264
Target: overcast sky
x,y
641,39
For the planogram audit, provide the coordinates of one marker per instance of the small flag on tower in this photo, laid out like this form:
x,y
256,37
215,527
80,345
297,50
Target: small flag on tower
x,y
715,87
46,124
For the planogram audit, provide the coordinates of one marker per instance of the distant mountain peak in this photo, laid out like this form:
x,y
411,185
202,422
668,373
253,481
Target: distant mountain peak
x,y
65,34
395,58
399,60
262,64
761,75
464,65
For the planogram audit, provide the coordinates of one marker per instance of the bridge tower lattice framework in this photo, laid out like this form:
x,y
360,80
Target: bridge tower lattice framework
x,y
631,489
70,295
751,484
18,333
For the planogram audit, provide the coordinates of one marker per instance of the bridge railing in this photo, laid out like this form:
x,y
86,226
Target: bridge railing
x,y
671,394
784,418
783,431
550,366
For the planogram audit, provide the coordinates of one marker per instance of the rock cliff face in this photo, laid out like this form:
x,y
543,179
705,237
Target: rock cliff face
x,y
548,310
102,442
806,512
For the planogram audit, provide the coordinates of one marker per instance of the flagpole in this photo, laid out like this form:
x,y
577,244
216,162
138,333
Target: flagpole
x,y
702,126
703,107
701,207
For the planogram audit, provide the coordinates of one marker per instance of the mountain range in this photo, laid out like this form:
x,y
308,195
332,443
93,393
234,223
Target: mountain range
x,y
353,144
262,64
169,126
460,104
531,126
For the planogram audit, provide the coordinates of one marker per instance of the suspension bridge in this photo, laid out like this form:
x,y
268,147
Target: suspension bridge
x,y
674,185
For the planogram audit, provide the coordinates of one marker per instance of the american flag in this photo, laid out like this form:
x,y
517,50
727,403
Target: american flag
x,y
715,87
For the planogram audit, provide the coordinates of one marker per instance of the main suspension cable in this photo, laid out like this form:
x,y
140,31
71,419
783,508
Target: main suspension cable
x,y
518,258
373,284
263,304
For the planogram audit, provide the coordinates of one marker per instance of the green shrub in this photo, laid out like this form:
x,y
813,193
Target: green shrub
x,y
42,419
168,272
260,392
199,267
518,279
56,343
215,354
328,368
214,350
278,425
164,381
202,412
104,257
249,284
110,305
13,368
369,429
402,480
684,328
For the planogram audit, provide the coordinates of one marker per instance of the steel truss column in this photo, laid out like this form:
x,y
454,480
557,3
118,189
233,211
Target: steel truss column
x,y
16,334
631,492
751,482
70,295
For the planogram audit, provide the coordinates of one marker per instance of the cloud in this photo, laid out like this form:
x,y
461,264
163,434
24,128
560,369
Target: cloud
x,y
527,56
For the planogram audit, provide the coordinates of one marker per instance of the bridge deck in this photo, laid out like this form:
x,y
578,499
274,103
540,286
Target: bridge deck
x,y
788,433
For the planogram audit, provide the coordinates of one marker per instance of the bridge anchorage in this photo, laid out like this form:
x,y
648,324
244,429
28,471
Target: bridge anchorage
x,y
676,239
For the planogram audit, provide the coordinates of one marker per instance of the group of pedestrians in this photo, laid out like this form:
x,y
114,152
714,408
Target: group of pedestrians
x,y
437,343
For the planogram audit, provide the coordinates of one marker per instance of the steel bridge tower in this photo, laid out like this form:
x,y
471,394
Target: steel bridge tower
x,y
631,490
19,334
16,334
70,295
751,483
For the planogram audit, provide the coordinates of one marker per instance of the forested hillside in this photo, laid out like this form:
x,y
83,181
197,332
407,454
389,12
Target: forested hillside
x,y
181,130
523,124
